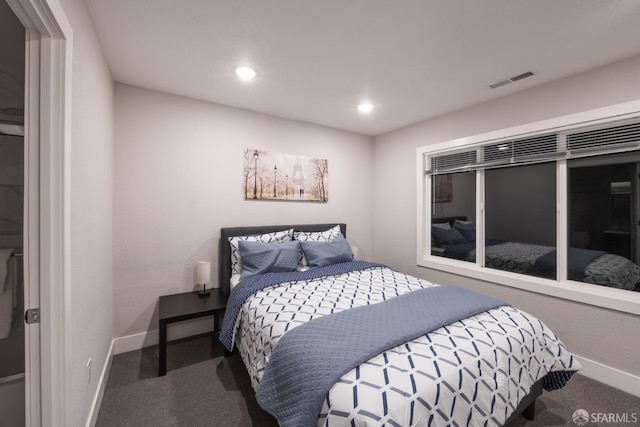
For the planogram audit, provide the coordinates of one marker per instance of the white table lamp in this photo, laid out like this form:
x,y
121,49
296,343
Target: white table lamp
x,y
355,251
203,276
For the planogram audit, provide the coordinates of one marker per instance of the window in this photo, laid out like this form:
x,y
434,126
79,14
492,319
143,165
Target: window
x,y
520,219
453,228
603,221
554,208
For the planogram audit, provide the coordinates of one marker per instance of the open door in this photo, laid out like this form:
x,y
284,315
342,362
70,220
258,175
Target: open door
x,y
47,42
14,357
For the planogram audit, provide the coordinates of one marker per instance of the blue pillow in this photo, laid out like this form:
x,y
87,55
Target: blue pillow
x,y
447,237
320,254
262,257
468,231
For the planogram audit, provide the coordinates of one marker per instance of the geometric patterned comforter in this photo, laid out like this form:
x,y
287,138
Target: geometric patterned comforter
x,y
471,372
607,270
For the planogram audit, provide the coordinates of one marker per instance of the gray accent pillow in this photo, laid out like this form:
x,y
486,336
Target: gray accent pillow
x,y
277,236
444,237
468,230
315,236
260,257
320,254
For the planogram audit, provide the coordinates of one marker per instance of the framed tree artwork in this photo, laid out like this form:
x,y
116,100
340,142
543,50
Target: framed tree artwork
x,y
276,176
442,188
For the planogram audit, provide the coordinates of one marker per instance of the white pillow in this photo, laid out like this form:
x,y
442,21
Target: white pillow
x,y
314,236
235,279
275,237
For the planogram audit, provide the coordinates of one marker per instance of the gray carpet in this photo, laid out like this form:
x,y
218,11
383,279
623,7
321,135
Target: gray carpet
x,y
203,388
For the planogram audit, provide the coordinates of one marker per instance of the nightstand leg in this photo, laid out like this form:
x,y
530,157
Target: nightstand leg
x,y
163,349
216,328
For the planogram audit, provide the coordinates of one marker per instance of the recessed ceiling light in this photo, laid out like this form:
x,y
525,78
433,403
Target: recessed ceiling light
x,y
365,107
245,73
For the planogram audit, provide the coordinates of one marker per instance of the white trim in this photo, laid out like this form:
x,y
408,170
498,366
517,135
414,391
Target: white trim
x,y
423,196
480,180
562,221
55,248
613,377
43,16
32,227
600,296
135,342
94,410
187,328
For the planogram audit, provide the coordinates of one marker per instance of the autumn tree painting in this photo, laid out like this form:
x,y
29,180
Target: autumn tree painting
x,y
319,170
275,176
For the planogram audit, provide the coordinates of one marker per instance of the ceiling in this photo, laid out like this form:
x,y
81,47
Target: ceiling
x,y
317,60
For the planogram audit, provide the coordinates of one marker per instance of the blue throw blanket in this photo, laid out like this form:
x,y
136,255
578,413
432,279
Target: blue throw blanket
x,y
577,259
243,290
310,358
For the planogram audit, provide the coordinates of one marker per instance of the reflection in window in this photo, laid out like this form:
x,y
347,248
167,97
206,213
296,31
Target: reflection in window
x,y
597,164
520,219
603,222
453,230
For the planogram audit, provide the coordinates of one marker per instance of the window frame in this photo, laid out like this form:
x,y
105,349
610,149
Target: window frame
x,y
596,295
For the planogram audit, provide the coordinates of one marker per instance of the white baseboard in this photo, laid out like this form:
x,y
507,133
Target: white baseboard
x,y
137,342
621,380
175,331
102,385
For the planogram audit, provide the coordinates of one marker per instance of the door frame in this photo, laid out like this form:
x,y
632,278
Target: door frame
x,y
49,46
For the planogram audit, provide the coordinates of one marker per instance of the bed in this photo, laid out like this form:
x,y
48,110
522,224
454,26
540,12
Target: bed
x,y
482,369
588,266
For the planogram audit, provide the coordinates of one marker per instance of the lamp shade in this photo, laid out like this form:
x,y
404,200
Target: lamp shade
x,y
203,272
355,251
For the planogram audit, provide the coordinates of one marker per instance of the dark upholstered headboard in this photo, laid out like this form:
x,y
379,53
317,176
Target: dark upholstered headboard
x,y
224,251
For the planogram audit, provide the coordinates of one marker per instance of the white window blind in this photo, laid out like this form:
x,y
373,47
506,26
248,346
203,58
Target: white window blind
x,y
580,142
451,163
625,137
520,151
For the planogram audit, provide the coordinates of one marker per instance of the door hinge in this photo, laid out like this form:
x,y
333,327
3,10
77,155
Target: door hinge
x,y
32,315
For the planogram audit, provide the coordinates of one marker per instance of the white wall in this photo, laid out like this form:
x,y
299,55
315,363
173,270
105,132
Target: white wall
x,y
604,336
91,172
178,180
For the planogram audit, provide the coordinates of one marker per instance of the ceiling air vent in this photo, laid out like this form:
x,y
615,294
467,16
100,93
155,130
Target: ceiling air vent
x,y
511,80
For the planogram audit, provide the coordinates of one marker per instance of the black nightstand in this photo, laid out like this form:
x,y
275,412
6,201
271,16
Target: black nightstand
x,y
185,306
